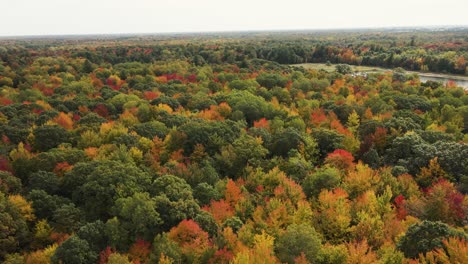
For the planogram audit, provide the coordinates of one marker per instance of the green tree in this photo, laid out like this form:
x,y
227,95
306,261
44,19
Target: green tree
x,y
74,251
98,185
47,137
138,216
298,239
43,180
325,178
343,68
94,234
426,236
174,199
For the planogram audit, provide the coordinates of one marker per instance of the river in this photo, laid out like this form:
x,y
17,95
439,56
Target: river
x,y
460,82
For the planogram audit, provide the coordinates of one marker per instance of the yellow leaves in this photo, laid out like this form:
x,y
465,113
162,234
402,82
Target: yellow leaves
x,y
456,252
20,153
360,180
163,259
164,107
261,253
303,214
42,232
436,127
431,173
89,139
110,131
117,258
41,256
334,214
353,122
232,241
23,205
106,127
136,154
45,106
128,119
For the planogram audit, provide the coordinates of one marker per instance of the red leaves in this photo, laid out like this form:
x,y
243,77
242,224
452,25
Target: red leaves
x,y
400,207
104,255
5,101
222,256
139,252
192,78
444,193
340,159
173,76
5,164
101,110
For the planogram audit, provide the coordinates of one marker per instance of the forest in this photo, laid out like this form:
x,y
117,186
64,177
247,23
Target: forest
x,y
213,148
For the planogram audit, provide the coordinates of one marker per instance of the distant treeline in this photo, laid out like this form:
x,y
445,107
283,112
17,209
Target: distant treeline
x,y
445,52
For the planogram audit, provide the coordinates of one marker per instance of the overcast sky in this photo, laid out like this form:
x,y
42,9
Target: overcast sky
x,y
50,17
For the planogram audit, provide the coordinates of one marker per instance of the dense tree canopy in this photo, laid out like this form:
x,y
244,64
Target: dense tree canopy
x,y
212,149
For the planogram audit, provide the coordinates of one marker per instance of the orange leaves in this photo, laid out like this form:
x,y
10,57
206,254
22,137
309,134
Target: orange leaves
x,y
262,123
160,79
232,193
62,167
190,237
91,152
360,253
140,250
338,127
64,121
216,112
150,95
224,109
211,114
329,199
318,117
221,210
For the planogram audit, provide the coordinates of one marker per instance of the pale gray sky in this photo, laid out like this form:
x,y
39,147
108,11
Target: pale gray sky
x,y
49,17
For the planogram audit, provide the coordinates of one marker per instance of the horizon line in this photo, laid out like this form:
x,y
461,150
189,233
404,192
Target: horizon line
x,y
350,29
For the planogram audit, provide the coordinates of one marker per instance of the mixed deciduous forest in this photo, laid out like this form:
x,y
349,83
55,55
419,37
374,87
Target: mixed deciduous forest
x,y
211,148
